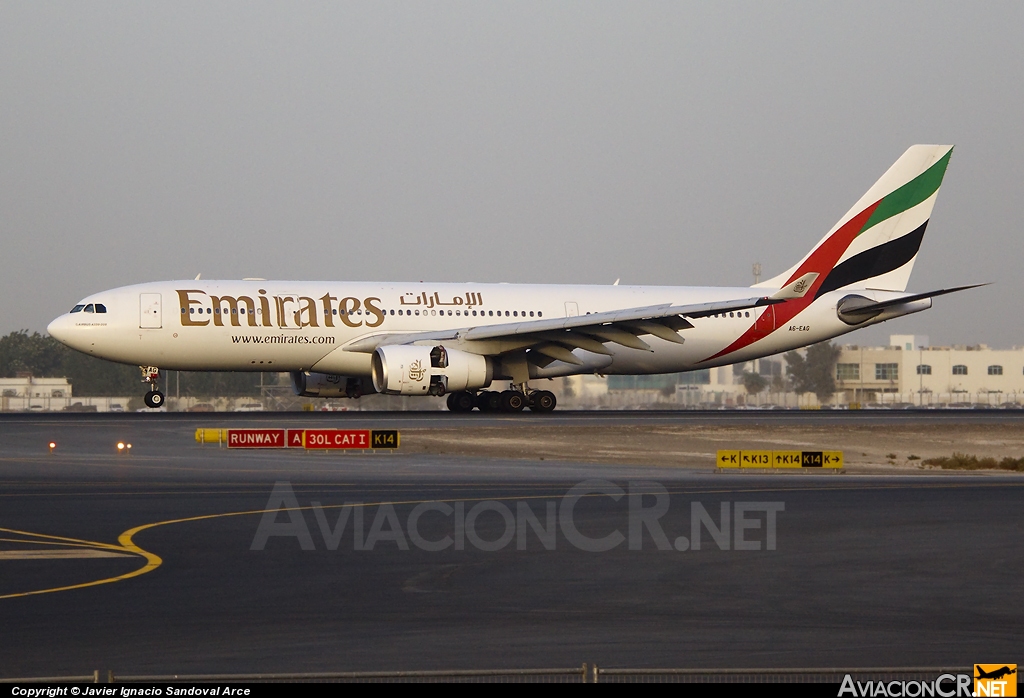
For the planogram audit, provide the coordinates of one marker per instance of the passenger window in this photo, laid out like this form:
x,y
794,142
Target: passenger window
x,y
540,314
89,308
100,308
78,308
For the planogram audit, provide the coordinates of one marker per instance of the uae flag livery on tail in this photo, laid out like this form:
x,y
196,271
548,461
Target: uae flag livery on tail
x,y
874,245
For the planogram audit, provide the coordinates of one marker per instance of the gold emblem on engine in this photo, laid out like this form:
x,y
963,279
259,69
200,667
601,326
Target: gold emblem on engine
x,y
416,370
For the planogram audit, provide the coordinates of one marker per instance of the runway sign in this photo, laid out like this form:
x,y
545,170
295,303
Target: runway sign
x,y
255,438
336,438
779,459
384,439
755,459
786,459
728,459
316,439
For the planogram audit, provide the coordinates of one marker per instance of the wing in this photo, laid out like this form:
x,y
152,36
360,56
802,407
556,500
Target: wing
x,y
556,338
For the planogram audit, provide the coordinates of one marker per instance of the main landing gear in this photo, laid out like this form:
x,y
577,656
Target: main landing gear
x,y
516,399
154,398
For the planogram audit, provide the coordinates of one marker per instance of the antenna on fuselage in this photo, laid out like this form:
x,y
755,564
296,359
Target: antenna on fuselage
x,y
198,275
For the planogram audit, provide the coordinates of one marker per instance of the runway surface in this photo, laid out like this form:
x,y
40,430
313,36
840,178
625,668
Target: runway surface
x,y
436,418
147,565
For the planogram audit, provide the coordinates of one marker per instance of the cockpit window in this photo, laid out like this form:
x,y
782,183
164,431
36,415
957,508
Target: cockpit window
x,y
90,308
100,308
77,308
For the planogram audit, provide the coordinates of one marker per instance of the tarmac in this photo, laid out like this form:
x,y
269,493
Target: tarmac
x,y
165,561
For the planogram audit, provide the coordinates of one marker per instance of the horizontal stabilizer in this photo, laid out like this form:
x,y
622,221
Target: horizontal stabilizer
x,y
856,309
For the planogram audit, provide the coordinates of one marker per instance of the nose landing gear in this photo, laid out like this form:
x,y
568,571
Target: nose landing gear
x,y
154,398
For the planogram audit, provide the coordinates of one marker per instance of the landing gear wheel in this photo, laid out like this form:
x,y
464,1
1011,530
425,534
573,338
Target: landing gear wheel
x,y
154,399
488,401
512,401
461,401
543,401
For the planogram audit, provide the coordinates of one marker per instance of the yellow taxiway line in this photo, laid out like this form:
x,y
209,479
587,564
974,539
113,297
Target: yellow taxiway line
x,y
127,544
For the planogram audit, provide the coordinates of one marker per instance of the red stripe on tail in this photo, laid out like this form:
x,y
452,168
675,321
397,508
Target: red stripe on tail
x,y
821,260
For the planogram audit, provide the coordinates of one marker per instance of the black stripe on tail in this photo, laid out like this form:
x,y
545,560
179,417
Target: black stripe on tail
x,y
879,260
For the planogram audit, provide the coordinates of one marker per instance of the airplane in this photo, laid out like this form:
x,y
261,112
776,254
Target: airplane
x,y
341,339
995,674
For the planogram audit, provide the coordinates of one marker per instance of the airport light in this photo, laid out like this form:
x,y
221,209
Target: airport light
x,y
52,446
120,447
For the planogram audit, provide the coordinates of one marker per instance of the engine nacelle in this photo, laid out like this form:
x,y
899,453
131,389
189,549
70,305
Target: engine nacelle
x,y
400,369
309,384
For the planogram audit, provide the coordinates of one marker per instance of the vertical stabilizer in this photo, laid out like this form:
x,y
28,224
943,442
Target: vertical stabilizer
x,y
875,244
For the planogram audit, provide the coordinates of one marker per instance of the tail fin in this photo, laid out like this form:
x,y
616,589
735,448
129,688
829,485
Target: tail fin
x,y
875,244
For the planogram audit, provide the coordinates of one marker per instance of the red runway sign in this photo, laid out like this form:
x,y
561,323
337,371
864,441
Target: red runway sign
x,y
337,438
255,438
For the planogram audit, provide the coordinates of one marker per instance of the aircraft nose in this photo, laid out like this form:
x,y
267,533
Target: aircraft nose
x,y
59,329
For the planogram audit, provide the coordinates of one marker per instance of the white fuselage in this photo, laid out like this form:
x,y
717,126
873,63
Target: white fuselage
x,y
305,325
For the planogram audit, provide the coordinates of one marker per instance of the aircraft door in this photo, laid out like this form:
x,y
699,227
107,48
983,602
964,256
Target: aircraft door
x,y
150,314
765,323
572,309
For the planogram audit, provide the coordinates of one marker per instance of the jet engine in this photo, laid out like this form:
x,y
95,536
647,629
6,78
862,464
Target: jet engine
x,y
309,384
400,369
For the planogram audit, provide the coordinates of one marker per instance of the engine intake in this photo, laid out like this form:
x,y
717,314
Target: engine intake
x,y
400,369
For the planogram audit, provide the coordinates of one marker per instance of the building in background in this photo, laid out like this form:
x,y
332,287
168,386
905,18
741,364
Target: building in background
x,y
29,394
907,372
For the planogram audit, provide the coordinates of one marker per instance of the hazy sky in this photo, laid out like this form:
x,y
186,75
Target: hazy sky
x,y
660,142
